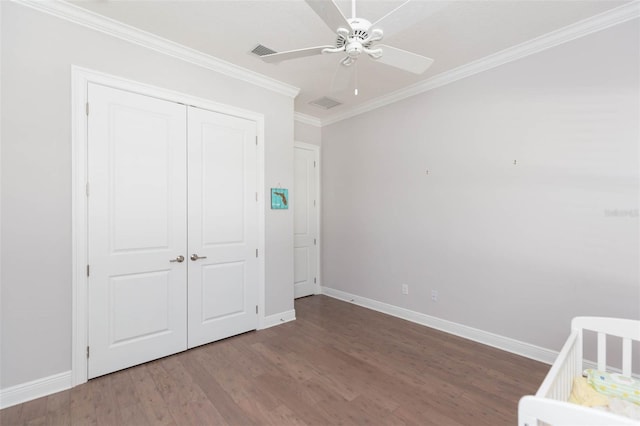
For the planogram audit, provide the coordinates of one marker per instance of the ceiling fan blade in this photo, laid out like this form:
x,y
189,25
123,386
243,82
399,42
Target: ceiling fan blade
x,y
406,15
294,54
329,12
342,78
404,60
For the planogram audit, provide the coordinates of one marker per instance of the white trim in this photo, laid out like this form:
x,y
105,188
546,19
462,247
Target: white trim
x,y
94,21
1,318
490,339
316,150
78,15
79,259
262,227
80,78
307,119
571,32
278,319
34,389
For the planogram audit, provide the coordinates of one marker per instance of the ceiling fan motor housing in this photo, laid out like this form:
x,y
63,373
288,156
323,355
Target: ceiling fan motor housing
x,y
356,36
353,42
354,49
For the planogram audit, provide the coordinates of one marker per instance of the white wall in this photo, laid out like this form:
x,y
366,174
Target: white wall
x,y
37,53
307,133
515,250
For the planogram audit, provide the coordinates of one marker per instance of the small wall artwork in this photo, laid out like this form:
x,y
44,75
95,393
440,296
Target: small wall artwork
x,y
279,198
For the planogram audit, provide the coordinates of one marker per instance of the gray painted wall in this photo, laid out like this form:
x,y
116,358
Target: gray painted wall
x,y
516,250
37,54
307,133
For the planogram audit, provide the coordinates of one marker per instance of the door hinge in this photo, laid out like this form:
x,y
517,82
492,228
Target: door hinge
x,y
87,270
314,241
87,188
314,164
256,140
256,309
314,280
256,196
314,203
87,351
87,108
256,252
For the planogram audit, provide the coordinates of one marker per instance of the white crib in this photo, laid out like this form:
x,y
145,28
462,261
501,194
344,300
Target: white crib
x,y
549,406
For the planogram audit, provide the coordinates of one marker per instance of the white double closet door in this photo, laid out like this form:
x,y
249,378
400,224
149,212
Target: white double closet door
x,y
172,228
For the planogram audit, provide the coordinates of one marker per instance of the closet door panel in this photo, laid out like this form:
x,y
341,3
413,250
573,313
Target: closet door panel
x,y
137,224
305,221
222,163
223,226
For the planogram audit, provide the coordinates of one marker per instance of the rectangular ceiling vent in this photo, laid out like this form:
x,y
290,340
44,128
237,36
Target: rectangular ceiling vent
x,y
325,103
261,50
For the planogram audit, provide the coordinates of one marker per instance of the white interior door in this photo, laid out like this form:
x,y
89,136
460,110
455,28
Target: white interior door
x,y
137,225
305,213
223,226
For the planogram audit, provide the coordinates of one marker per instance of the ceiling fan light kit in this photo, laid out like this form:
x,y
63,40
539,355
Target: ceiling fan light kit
x,y
356,36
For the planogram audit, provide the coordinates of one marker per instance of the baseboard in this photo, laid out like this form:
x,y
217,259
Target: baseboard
x,y
63,381
505,343
35,389
277,319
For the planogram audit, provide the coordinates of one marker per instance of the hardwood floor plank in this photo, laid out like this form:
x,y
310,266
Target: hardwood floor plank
x,y
186,402
125,390
154,405
106,403
287,390
58,409
192,394
36,409
134,414
11,415
222,401
280,415
337,364
38,421
81,408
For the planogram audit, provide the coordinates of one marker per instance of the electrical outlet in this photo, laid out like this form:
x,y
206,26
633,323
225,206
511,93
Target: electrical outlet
x,y
434,295
405,288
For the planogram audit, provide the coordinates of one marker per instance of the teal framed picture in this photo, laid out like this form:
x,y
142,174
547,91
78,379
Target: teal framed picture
x,y
279,198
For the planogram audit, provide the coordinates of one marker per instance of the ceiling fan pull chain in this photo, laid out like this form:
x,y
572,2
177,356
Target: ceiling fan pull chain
x,y
355,66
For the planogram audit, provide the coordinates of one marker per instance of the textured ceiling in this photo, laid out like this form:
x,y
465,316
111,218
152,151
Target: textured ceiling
x,y
453,33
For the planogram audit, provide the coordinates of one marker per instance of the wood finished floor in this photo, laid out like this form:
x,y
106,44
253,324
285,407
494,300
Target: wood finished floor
x,y
337,364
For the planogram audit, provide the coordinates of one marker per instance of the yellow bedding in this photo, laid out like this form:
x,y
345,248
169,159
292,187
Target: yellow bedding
x,y
584,394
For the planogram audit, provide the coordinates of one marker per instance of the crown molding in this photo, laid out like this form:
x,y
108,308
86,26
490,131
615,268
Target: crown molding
x,y
571,32
307,119
72,13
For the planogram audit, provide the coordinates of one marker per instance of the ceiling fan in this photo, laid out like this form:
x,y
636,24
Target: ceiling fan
x,y
357,36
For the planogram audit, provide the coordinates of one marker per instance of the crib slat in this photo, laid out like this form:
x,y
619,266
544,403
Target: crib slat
x,y
602,351
626,357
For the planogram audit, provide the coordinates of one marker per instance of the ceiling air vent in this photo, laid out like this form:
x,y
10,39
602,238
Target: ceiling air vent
x,y
261,50
325,103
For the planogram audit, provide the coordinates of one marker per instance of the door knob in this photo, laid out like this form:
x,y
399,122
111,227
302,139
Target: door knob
x,y
178,259
196,257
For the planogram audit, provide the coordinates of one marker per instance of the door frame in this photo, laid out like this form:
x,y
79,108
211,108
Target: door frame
x,y
80,78
316,150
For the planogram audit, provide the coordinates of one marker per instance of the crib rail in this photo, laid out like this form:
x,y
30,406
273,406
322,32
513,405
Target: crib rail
x,y
559,380
549,406
532,409
628,330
